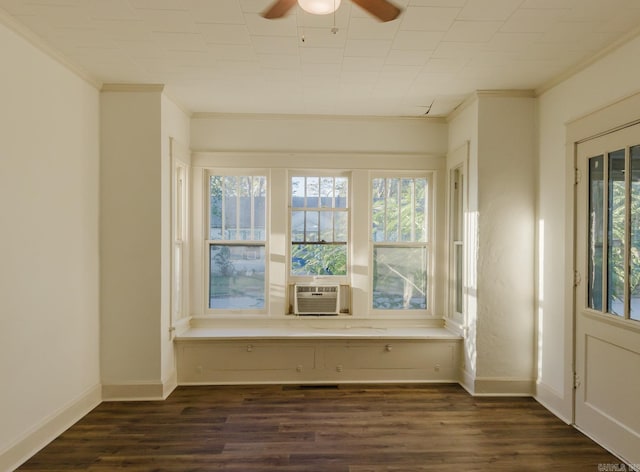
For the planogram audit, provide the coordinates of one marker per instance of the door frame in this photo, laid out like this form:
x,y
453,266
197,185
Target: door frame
x,y
606,120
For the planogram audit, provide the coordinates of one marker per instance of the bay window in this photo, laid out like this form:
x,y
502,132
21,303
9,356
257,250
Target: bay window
x,y
370,231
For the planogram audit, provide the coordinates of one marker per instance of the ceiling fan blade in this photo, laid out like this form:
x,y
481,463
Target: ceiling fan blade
x,y
278,9
382,9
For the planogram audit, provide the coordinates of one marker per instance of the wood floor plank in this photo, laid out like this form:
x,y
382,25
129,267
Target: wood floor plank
x,y
358,428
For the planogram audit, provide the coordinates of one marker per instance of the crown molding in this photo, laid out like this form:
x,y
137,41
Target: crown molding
x,y
36,41
457,111
507,93
172,98
582,65
122,87
276,116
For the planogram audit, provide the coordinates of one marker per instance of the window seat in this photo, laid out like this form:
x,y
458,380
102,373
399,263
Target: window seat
x,y
307,353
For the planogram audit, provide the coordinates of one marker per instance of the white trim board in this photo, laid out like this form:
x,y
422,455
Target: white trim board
x,y
139,391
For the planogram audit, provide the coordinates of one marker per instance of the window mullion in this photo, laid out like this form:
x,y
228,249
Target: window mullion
x,y
399,209
627,234
238,208
223,210
252,208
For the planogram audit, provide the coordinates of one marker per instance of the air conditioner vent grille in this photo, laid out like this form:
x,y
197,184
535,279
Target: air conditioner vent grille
x,y
317,299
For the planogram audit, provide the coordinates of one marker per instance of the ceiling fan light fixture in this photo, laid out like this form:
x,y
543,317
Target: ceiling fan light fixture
x,y
319,7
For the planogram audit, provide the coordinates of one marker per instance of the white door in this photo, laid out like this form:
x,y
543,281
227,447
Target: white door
x,y
607,318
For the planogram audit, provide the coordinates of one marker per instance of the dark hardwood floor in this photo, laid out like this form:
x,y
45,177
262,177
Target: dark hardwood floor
x,y
348,429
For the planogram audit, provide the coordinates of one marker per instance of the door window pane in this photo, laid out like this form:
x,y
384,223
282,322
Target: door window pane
x,y
616,234
596,230
634,260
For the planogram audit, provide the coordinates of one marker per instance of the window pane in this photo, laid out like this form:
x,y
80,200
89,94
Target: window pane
x,y
311,226
297,192
340,226
245,209
297,226
399,278
596,231
319,259
260,208
341,188
326,192
237,277
421,220
326,226
458,278
230,207
392,210
313,192
378,209
215,205
407,213
634,260
616,234
456,205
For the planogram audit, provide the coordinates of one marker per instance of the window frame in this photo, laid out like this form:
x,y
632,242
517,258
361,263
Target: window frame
x,y
429,244
277,167
235,172
457,202
331,279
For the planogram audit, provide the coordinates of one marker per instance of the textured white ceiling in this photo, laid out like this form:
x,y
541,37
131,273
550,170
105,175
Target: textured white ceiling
x,y
222,56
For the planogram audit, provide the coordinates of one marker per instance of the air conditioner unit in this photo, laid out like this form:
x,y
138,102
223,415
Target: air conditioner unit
x,y
317,299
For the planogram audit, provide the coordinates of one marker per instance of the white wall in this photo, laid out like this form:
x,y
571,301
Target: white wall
x,y
130,242
49,318
499,351
607,80
137,123
260,133
506,232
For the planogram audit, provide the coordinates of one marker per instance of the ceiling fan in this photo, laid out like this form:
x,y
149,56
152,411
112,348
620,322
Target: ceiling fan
x,y
381,9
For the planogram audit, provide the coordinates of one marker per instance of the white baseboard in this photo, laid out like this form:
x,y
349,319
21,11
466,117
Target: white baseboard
x,y
496,386
139,391
133,391
49,429
467,381
170,384
553,401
